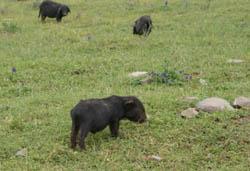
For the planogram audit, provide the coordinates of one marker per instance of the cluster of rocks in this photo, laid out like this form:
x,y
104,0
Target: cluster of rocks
x,y
210,105
215,104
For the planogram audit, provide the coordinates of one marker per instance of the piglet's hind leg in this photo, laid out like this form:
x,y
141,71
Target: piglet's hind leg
x,y
84,129
74,131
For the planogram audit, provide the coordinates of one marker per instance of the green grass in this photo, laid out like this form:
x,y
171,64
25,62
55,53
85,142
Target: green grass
x,y
36,100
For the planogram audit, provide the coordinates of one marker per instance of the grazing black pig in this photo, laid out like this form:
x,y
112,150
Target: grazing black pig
x,y
53,10
93,115
143,26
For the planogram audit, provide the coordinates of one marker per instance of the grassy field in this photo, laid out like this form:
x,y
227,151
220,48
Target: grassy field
x,y
90,55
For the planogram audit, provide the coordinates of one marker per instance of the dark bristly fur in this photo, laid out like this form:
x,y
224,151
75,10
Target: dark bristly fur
x,y
143,26
53,10
93,115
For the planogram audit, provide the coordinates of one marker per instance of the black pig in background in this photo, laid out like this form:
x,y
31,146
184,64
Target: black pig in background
x,y
53,10
143,26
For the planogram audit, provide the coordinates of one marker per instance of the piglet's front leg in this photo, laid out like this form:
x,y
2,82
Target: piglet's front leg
x,y
74,131
114,127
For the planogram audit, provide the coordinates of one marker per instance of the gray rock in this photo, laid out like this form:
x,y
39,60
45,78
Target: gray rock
x,y
189,113
242,102
214,104
22,152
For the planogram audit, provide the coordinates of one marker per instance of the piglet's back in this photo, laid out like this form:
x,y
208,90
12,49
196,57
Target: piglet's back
x,y
86,106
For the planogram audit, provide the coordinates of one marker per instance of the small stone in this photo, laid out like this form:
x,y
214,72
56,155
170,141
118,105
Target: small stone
x,y
22,152
154,157
138,74
235,61
189,113
214,104
242,102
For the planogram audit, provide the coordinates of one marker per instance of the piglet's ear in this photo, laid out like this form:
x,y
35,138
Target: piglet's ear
x,y
129,104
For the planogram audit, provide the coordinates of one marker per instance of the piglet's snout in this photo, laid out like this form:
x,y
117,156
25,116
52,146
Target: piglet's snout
x,y
142,119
